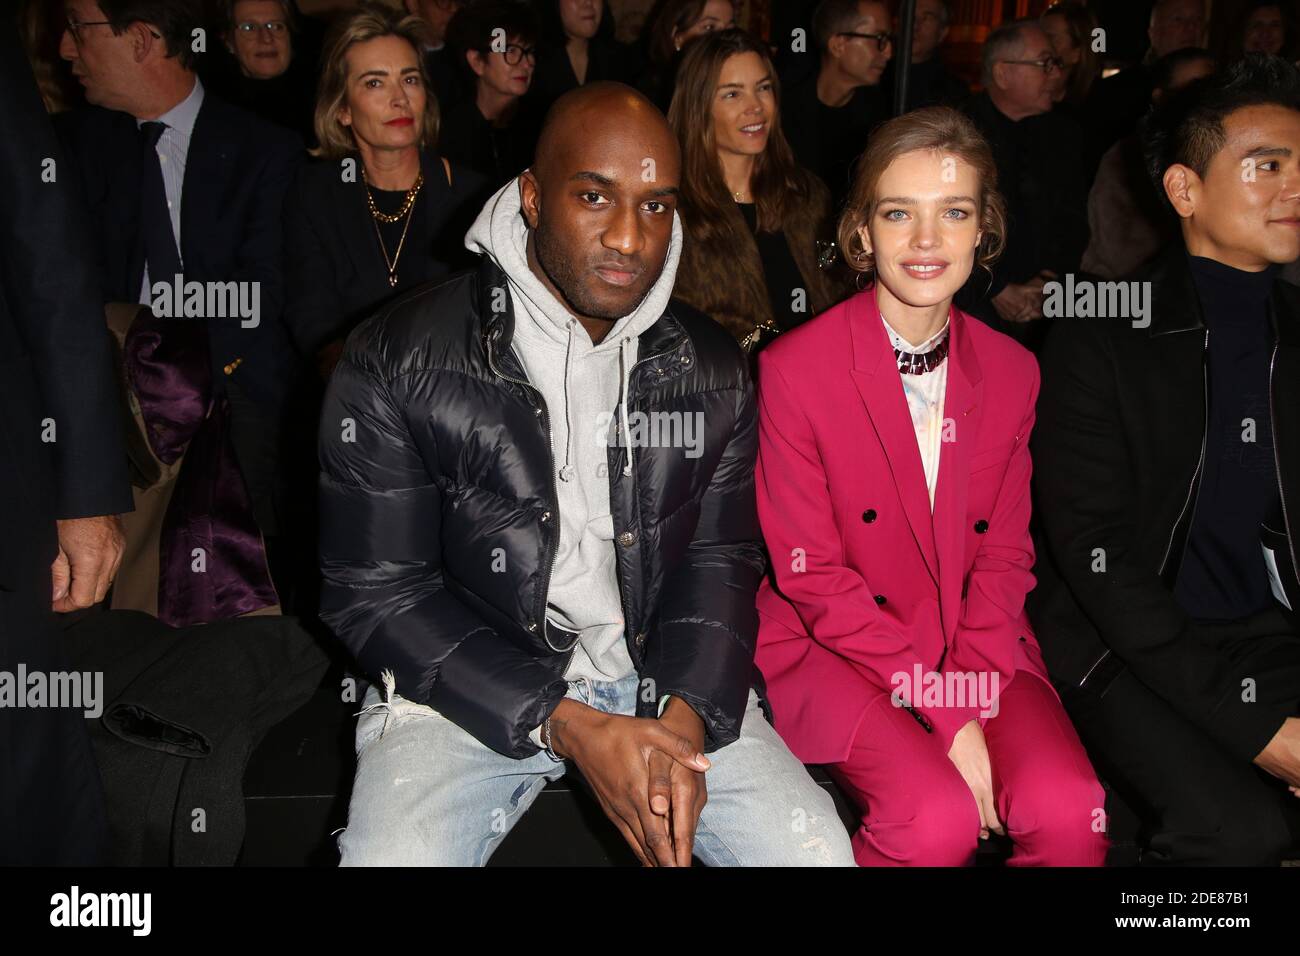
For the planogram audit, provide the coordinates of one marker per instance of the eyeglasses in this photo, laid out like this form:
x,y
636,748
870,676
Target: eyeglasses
x,y
882,39
1047,64
270,26
76,26
514,53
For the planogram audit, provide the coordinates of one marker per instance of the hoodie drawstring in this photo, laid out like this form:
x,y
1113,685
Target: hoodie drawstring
x,y
566,473
625,366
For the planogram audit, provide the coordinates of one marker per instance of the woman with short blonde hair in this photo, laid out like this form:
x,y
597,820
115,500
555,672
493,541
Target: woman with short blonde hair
x,y
380,211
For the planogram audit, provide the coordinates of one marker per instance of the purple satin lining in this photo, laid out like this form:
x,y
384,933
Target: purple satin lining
x,y
168,368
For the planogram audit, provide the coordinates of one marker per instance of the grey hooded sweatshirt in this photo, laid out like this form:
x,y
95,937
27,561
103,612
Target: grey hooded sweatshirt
x,y
585,387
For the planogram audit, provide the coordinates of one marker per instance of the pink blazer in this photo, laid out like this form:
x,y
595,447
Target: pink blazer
x,y
868,583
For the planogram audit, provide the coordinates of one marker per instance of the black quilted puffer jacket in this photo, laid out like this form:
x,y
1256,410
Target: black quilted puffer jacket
x,y
437,516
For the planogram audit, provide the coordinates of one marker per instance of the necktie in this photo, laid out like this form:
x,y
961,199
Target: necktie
x,y
160,253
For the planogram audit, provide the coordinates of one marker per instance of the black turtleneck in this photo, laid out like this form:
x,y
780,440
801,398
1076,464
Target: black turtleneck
x,y
1223,576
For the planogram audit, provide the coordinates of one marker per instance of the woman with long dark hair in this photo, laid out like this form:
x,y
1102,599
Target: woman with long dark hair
x,y
753,218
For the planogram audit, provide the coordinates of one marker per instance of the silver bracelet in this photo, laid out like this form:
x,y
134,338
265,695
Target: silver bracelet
x,y
546,739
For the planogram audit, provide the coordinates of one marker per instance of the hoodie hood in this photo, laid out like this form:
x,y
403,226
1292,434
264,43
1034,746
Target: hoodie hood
x,y
500,232
545,326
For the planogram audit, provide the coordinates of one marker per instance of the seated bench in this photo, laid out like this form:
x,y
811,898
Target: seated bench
x,y
298,782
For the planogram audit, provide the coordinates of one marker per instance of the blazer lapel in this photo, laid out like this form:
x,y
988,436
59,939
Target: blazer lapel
x,y
357,232
963,399
876,376
206,176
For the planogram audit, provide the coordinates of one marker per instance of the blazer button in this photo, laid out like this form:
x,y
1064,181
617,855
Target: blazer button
x,y
627,539
546,516
981,526
880,599
869,515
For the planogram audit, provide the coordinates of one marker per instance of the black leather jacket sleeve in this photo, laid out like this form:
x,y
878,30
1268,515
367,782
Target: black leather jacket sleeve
x,y
1086,497
703,651
383,591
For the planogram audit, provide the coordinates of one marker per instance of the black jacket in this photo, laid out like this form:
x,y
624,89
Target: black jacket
x,y
437,467
1117,449
237,172
56,366
335,274
1043,180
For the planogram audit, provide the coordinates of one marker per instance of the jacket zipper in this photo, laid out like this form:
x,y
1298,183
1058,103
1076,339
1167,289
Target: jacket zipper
x,y
618,557
1205,391
539,614
1277,466
1173,532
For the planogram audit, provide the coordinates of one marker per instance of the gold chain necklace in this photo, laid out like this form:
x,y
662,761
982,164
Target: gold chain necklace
x,y
392,263
406,203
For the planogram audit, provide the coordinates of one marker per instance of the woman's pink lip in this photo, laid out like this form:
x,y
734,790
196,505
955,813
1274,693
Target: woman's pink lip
x,y
908,267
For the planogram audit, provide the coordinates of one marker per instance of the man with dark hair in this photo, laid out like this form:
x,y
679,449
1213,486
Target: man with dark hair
x,y
179,183
530,582
828,116
1167,481
1040,175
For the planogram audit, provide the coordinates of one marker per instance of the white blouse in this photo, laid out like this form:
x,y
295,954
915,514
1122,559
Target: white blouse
x,y
925,401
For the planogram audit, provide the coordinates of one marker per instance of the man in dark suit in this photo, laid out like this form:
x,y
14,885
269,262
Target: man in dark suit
x,y
204,202
62,477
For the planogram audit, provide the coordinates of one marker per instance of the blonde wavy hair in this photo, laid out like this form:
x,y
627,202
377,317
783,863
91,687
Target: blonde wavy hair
x,y
369,22
938,129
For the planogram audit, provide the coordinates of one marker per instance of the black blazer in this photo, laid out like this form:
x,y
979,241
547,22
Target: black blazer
x,y
238,169
336,272
1121,422
54,348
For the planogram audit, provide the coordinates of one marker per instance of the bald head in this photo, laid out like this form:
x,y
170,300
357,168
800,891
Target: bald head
x,y
591,117
599,200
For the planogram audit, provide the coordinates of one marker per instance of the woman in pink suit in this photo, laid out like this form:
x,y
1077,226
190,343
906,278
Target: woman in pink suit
x,y
893,490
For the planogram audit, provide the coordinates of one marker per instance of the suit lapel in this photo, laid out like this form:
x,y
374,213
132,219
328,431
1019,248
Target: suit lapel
x,y
876,376
962,413
207,165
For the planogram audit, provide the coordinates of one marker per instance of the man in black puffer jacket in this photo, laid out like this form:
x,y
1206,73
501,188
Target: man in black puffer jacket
x,y
539,532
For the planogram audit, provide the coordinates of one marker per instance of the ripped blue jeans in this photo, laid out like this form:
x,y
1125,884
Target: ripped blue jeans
x,y
427,793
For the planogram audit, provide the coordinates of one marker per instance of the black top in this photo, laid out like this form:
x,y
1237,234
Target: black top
x,y
1041,176
287,100
607,59
335,269
498,153
780,273
1223,576
928,84
829,139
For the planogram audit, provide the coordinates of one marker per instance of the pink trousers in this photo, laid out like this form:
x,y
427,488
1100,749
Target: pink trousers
x,y
918,811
